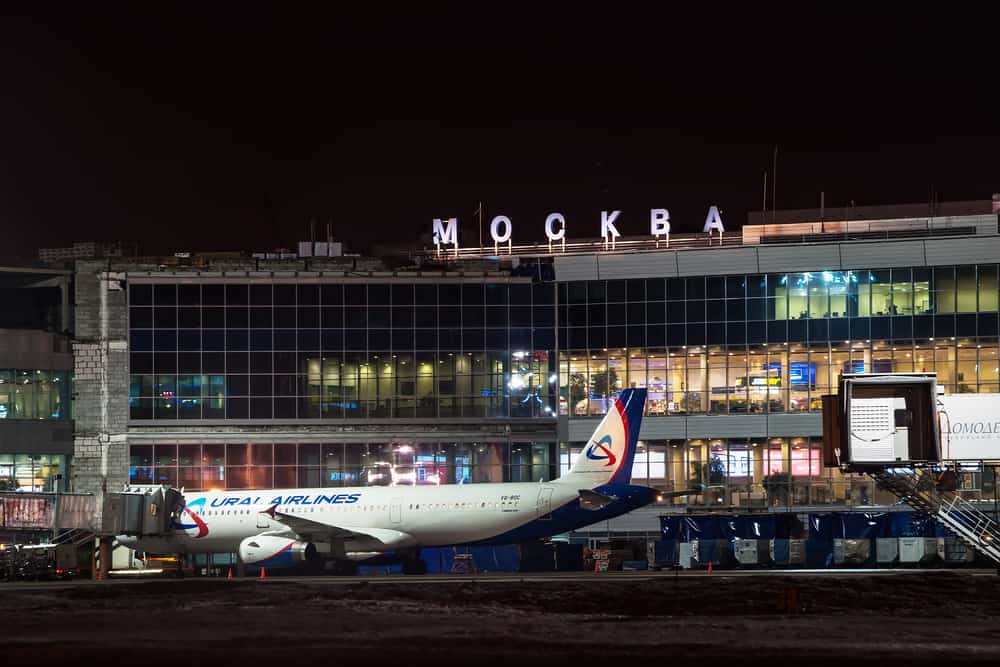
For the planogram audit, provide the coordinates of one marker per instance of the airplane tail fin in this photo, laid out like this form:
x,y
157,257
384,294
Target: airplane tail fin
x,y
607,457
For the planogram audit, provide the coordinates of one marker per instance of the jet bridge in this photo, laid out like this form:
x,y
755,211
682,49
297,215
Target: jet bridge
x,y
142,511
899,429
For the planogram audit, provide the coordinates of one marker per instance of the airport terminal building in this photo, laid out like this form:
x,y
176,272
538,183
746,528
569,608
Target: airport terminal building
x,y
467,367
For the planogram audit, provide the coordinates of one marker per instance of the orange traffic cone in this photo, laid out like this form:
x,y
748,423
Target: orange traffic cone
x,y
710,567
230,574
263,575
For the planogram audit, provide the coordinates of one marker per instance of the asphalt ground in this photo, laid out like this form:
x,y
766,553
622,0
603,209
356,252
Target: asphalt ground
x,y
750,617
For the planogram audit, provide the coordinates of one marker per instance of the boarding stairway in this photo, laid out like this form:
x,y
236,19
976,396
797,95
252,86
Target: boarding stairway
x,y
74,536
919,489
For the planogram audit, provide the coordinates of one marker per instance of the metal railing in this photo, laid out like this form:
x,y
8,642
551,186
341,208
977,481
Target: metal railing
x,y
918,488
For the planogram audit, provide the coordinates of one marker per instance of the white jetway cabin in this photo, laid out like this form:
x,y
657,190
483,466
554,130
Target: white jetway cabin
x,y
880,420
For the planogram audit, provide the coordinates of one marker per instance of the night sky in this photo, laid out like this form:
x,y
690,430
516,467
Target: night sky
x,y
229,131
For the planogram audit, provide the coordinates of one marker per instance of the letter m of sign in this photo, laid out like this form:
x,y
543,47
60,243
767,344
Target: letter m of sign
x,y
445,232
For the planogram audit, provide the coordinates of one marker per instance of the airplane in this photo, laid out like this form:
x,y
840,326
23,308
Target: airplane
x,y
289,527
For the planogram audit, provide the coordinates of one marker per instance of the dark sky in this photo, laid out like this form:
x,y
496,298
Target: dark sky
x,y
193,131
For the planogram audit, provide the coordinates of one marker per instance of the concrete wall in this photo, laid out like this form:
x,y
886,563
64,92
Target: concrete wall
x,y
100,461
712,426
32,349
832,256
19,436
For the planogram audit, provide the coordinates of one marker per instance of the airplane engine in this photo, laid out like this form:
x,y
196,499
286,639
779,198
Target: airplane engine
x,y
271,551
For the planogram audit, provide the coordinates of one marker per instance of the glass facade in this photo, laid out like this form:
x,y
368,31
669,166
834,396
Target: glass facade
x,y
748,344
772,342
242,465
752,379
32,472
34,394
341,351
897,304
759,473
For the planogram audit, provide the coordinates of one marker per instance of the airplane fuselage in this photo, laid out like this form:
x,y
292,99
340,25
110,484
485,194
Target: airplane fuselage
x,y
337,522
430,515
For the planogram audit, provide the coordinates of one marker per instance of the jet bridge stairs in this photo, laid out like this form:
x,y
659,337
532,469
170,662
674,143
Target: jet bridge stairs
x,y
919,488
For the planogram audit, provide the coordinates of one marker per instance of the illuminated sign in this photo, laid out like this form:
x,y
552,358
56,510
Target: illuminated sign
x,y
445,230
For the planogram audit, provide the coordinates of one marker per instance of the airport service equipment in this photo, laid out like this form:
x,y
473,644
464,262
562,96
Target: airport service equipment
x,y
886,550
752,551
878,420
851,551
918,549
956,551
788,552
880,429
688,554
898,418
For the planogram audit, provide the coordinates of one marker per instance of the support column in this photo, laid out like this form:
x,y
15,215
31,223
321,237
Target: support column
x,y
64,313
104,558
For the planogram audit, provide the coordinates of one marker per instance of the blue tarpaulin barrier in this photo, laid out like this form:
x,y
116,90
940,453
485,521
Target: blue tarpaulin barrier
x,y
724,527
666,551
487,559
715,533
789,527
819,552
781,551
537,557
848,525
863,525
672,528
701,528
910,524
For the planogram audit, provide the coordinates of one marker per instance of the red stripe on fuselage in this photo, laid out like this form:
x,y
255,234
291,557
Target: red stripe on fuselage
x,y
621,411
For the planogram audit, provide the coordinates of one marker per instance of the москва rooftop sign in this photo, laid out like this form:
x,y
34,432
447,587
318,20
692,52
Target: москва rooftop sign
x,y
502,229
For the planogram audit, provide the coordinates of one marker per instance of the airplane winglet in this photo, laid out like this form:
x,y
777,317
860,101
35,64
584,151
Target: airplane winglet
x,y
270,510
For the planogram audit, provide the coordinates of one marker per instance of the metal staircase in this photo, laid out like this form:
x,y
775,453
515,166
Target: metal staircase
x,y
918,488
74,536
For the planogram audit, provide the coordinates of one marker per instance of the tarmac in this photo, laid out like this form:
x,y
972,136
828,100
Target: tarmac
x,y
749,617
